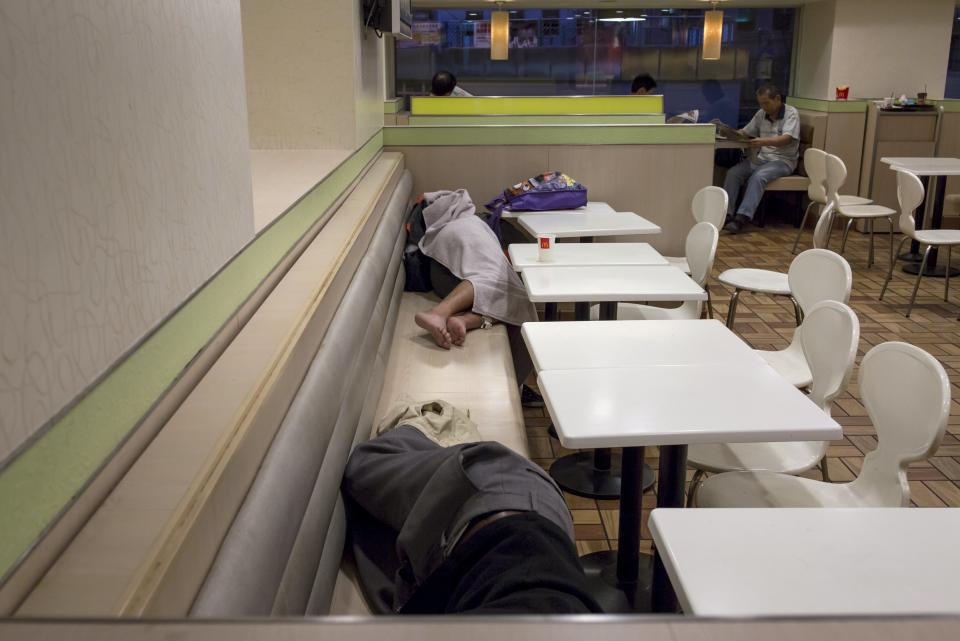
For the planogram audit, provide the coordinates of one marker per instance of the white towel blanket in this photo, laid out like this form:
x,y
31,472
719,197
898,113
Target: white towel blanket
x,y
465,245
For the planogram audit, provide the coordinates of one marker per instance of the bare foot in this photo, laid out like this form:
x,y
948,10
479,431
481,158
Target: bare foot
x,y
457,329
436,325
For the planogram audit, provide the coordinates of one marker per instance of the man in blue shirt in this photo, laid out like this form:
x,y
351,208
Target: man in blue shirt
x,y
775,133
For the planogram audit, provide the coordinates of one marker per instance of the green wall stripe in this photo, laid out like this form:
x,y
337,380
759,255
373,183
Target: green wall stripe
x,y
949,106
36,486
830,106
516,105
584,119
392,106
548,135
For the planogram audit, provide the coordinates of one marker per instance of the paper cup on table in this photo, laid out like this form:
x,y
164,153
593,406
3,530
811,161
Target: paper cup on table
x,y
843,92
546,242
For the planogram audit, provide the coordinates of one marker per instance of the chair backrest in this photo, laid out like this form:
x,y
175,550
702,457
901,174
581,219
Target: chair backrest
x,y
815,164
836,176
817,275
821,233
701,249
909,195
710,205
907,395
830,336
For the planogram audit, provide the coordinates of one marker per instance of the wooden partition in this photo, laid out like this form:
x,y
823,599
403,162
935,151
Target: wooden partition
x,y
843,123
653,170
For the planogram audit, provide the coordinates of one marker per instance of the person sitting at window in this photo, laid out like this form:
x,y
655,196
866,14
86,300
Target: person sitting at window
x,y
643,85
775,131
444,83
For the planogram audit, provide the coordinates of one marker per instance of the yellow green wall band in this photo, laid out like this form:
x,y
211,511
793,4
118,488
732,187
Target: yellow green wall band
x,y
584,119
949,106
37,485
533,105
548,135
392,106
829,106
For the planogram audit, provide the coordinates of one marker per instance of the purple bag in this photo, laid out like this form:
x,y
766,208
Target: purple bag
x,y
552,190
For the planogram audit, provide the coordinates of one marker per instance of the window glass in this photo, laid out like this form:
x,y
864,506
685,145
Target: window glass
x,y
585,52
953,68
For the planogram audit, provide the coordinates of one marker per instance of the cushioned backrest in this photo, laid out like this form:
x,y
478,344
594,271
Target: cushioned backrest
x,y
268,562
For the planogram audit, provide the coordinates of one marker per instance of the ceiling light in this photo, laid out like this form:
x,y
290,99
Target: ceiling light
x,y
499,34
712,32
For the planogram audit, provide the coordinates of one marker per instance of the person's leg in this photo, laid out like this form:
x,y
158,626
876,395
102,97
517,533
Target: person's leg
x,y
762,176
736,176
435,320
459,324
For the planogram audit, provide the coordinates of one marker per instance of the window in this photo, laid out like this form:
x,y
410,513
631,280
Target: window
x,y
953,67
579,52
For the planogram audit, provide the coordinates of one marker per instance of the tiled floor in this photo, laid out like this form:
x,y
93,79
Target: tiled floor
x,y
768,323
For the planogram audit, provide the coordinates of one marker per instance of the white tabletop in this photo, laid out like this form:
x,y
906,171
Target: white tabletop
x,y
524,255
593,206
925,166
607,283
811,562
677,405
576,224
611,344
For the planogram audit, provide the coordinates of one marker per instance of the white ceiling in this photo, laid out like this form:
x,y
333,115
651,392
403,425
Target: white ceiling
x,y
605,4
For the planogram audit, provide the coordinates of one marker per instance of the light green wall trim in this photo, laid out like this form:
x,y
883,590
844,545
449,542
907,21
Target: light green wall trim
x,y
831,106
584,119
516,105
949,106
392,105
37,485
548,135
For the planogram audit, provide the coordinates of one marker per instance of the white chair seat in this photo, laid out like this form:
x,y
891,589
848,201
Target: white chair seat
x,y
787,458
853,201
680,262
938,236
767,489
635,311
867,211
763,281
790,364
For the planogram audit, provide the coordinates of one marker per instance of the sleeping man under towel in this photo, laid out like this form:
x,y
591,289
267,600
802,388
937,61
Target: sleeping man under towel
x,y
469,271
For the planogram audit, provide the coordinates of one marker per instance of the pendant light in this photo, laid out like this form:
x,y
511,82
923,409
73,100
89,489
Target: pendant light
x,y
499,33
712,32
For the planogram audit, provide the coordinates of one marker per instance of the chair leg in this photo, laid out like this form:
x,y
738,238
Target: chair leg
x,y
946,277
916,285
824,470
732,312
890,220
694,482
893,261
846,232
870,255
797,312
803,221
706,288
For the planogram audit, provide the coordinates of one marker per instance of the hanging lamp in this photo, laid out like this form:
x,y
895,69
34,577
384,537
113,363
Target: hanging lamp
x,y
712,32
499,33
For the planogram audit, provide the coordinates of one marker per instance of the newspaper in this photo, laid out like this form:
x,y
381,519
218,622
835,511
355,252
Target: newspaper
x,y
726,132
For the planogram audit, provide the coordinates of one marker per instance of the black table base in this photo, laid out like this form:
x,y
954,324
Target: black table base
x,y
593,475
601,571
940,271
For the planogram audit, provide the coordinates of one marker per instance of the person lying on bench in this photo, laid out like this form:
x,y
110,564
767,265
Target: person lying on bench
x,y
469,528
775,131
468,271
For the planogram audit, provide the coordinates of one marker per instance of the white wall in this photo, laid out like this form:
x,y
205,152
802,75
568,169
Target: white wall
x,y
877,47
124,183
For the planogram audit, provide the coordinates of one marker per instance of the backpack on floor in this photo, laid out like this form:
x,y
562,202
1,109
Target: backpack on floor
x,y
552,190
416,264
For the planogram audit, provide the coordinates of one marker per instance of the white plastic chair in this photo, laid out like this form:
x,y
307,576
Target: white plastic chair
x,y
910,195
701,248
765,281
709,205
836,176
816,275
907,395
831,333
815,164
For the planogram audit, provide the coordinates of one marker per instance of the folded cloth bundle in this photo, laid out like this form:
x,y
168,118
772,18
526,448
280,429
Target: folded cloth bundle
x,y
438,420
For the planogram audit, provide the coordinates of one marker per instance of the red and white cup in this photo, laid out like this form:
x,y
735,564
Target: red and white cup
x,y
843,92
545,244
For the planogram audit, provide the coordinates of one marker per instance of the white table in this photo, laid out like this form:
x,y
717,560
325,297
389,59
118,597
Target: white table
x,y
576,224
524,255
608,344
625,397
593,206
606,283
811,562
937,169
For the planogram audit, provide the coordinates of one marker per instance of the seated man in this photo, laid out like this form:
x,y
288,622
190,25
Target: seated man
x,y
643,85
775,131
470,528
444,83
